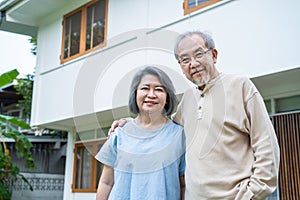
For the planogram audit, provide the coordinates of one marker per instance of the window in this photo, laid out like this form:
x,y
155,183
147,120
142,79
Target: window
x,y
87,170
193,5
84,30
287,104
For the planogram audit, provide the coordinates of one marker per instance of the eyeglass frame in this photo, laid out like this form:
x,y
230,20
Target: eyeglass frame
x,y
196,57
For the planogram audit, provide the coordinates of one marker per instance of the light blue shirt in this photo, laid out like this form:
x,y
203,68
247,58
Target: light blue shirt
x,y
147,163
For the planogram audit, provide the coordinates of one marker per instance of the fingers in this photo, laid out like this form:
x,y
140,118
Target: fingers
x,y
115,124
122,122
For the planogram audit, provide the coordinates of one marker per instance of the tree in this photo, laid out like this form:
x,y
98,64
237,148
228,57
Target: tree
x,y
33,41
8,171
24,87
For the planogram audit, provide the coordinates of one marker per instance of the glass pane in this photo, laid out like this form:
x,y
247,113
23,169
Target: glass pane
x,y
84,167
102,133
268,105
288,104
191,3
72,35
194,3
95,24
86,135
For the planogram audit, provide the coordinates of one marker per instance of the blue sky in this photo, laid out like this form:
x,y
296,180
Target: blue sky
x,y
15,53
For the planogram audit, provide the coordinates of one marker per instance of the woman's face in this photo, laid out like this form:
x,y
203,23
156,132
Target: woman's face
x,y
150,95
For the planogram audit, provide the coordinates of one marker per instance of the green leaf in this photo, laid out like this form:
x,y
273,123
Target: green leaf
x,y
8,77
14,121
4,192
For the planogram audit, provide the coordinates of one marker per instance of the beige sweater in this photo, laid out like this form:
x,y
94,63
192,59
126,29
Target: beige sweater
x,y
232,150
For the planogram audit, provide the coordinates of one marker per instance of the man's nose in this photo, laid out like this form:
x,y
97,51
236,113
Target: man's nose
x,y
193,62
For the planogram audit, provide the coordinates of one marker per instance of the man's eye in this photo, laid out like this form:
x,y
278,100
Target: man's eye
x,y
185,60
198,55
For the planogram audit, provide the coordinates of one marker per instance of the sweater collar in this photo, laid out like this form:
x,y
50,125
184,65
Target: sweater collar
x,y
210,84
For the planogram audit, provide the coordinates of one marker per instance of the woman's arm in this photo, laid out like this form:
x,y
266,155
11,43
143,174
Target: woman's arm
x,y
182,187
106,183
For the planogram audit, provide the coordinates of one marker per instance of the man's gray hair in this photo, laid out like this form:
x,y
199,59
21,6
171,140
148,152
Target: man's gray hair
x,y
209,42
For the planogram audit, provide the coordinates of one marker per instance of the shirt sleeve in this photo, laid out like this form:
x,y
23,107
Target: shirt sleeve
x,y
265,147
182,165
108,152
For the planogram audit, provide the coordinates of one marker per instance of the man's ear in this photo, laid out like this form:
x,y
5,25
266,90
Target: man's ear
x,y
215,55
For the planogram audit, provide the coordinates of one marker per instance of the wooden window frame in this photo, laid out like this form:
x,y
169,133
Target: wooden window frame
x,y
93,184
82,50
188,10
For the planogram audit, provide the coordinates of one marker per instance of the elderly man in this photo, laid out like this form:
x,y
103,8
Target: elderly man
x,y
232,150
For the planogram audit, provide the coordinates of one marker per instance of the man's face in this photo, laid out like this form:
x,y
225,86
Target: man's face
x,y
196,60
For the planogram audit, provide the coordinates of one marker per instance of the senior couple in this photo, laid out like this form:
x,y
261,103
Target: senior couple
x,y
220,143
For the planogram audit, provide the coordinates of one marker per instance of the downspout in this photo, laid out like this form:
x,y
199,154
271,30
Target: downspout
x,y
2,15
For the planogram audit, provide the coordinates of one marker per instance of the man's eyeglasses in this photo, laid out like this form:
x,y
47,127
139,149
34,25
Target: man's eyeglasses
x,y
185,60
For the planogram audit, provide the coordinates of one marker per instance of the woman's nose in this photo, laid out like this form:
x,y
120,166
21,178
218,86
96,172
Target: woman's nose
x,y
151,93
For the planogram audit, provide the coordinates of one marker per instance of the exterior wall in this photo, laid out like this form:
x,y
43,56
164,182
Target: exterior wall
x,y
249,43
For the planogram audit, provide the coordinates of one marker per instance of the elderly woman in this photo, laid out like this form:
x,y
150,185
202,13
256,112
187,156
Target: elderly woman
x,y
145,158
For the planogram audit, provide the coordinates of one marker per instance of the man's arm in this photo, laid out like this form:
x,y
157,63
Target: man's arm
x,y
266,150
106,183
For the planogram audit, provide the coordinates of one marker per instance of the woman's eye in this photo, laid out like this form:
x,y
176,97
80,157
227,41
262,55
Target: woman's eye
x,y
159,89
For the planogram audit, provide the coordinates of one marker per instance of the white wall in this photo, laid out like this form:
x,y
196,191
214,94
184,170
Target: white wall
x,y
254,37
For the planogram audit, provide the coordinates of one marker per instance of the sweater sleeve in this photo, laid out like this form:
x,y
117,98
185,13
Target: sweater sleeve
x,y
177,117
265,148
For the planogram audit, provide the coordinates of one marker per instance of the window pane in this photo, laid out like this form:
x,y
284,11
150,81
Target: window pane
x,y
86,135
102,132
72,35
191,4
268,106
194,3
288,104
95,24
84,167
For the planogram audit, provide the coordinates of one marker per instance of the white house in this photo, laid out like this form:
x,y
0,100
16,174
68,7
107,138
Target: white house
x,y
89,49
